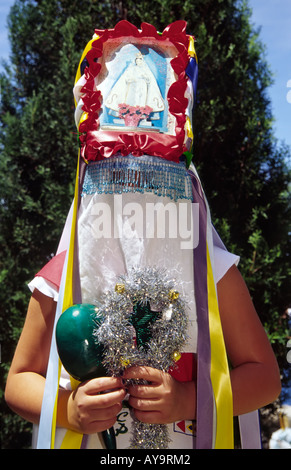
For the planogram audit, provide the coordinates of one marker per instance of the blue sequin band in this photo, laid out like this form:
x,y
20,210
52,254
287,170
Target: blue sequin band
x,y
130,174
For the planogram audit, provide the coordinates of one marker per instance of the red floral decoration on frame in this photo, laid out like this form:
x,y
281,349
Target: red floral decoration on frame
x,y
106,143
132,115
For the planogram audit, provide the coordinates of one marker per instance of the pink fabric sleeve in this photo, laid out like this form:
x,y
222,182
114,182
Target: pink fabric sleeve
x,y
52,271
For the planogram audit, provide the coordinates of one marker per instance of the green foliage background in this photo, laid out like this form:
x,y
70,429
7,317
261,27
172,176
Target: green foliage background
x,y
245,172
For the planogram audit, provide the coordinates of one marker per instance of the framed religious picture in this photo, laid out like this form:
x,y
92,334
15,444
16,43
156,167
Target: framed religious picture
x,y
134,94
135,90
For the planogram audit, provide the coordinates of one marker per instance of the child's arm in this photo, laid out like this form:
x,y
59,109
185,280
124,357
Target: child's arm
x,y
26,378
83,410
255,376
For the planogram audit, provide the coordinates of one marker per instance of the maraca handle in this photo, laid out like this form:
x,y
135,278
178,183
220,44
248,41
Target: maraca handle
x,y
109,438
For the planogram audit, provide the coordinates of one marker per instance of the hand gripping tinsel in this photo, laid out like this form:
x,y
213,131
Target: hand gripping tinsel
x,y
144,323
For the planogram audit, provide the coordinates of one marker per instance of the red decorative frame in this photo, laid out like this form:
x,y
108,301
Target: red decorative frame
x,y
106,143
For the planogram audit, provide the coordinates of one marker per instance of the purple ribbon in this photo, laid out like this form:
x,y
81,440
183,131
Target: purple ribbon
x,y
192,73
204,387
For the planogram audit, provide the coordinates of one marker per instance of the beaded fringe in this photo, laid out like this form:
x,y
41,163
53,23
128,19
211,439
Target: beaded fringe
x,y
138,174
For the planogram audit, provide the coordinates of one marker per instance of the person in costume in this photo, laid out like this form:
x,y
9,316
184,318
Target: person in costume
x,y
145,277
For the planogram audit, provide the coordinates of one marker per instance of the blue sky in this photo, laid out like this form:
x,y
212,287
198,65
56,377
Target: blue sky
x,y
274,18
5,6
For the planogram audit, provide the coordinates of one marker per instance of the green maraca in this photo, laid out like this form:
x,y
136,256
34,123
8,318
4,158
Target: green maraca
x,y
79,351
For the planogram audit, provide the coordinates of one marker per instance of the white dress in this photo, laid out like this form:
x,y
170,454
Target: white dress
x,y
116,231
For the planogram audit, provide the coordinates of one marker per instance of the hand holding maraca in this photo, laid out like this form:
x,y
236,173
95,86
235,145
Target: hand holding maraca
x,y
94,405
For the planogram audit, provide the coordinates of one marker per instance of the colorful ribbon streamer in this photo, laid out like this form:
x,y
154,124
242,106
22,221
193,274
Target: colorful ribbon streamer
x,y
214,395
47,426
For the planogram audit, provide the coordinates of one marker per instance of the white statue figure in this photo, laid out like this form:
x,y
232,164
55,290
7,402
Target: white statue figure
x,y
136,87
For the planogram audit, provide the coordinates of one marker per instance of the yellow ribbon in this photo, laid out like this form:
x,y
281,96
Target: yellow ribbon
x,y
71,438
189,128
86,50
54,419
68,293
191,48
219,370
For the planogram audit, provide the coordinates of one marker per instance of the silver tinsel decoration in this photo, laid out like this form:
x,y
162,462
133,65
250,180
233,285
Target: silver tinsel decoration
x,y
166,332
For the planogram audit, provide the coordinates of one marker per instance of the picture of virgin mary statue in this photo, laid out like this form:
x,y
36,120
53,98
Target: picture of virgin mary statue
x,y
136,87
